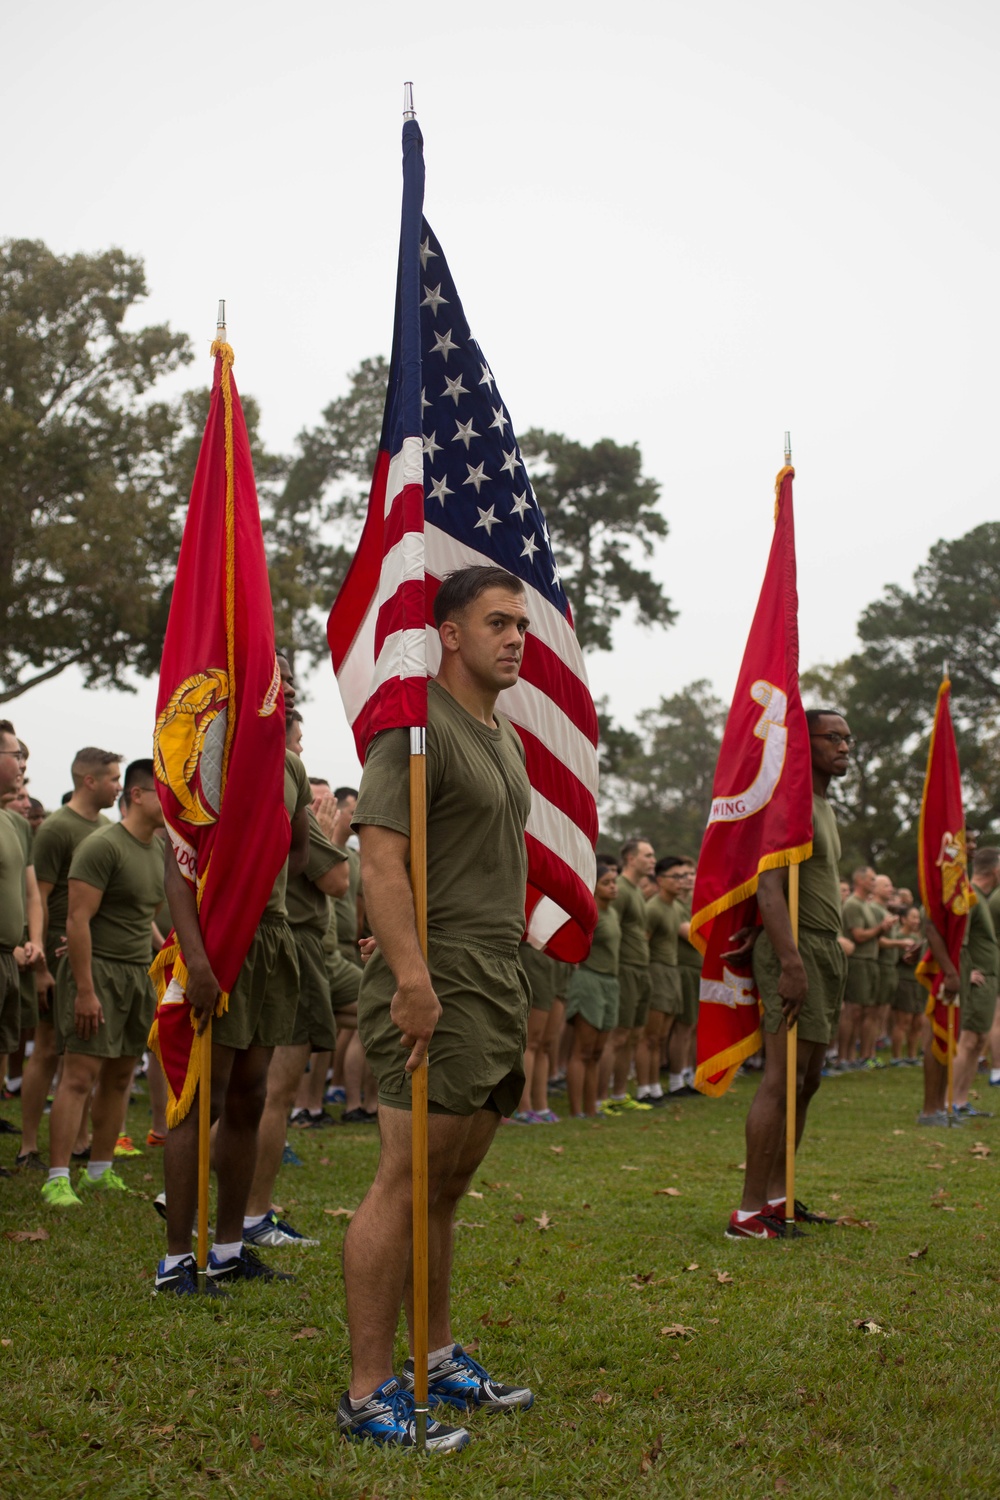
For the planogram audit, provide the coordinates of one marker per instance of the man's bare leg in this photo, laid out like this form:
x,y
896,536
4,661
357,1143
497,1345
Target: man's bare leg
x,y
157,1095
545,1064
850,1016
284,1077
36,1081
537,1020
765,1126
79,1074
108,1104
970,1045
312,1088
624,1052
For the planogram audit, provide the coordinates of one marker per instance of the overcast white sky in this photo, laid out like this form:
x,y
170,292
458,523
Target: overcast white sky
x,y
691,226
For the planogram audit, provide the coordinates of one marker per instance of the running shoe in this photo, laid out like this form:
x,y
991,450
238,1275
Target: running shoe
x,y
461,1381
608,1108
359,1116
967,1112
526,1117
275,1233
182,1281
154,1138
108,1182
289,1158
629,1103
803,1215
247,1266
6,1128
83,1155
124,1147
58,1193
388,1416
547,1116
30,1162
684,1092
760,1227
939,1117
335,1095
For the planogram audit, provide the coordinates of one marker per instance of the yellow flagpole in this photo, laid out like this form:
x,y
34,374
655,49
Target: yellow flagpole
x,y
418,1117
951,1060
792,1032
204,1141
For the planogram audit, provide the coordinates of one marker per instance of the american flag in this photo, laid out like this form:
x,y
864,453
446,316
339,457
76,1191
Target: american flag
x,y
450,490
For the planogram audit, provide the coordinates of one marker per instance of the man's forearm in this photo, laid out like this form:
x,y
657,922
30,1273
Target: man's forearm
x,y
34,913
80,952
393,921
773,908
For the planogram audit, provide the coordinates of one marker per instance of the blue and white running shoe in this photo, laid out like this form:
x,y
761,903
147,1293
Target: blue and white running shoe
x,y
388,1416
274,1232
461,1382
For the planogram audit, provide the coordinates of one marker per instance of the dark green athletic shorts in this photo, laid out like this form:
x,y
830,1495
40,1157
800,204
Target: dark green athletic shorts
x,y
826,970
862,981
594,997
128,1001
264,1001
634,994
314,1021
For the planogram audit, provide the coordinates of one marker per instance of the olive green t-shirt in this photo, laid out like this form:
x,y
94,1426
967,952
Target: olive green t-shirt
x,y
346,908
606,946
688,956
630,904
858,913
982,938
298,794
23,830
55,844
478,800
130,875
819,876
308,906
663,918
11,883
994,905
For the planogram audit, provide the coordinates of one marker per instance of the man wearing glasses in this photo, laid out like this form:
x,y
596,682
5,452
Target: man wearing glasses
x,y
12,760
800,981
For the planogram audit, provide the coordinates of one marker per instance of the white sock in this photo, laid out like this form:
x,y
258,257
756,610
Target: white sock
x,y
742,1214
643,1090
995,1075
97,1169
227,1252
437,1357
655,1090
773,1202
675,1081
170,1261
356,1405
55,1172
249,1220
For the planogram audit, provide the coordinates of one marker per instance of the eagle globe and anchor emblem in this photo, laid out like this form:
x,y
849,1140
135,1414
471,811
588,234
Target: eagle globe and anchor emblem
x,y
189,742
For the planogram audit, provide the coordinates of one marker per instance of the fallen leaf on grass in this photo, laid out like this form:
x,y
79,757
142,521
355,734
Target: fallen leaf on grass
x,y
723,1278
782,1485
848,1221
934,1166
651,1455
164,1431
666,1192
517,1197
340,1213
693,1266
834,1197
473,1194
468,1224
6,1343
677,1331
869,1325
630,1169
19,1236
899,1132
324,1161
559,1297
917,1254
305,1333
256,1443
979,1149
147,1176
602,1398
544,1222
740,1166
471,1346
520,1218
643,1278
557,1150
711,1320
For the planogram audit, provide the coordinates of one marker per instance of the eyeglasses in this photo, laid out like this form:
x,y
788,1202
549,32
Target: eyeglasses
x,y
17,754
836,739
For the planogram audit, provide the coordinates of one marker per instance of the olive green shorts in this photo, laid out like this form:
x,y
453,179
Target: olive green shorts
x,y
910,996
264,1001
862,981
29,999
826,971
979,1003
561,976
593,996
690,993
538,969
477,1050
344,979
666,995
128,1001
888,978
314,1021
634,995
10,1004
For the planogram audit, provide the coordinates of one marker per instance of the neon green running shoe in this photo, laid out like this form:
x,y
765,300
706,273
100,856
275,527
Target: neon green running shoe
x,y
629,1103
58,1193
108,1182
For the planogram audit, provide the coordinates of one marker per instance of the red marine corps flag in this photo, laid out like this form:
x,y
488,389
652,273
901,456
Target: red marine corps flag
x,y
941,855
761,815
219,742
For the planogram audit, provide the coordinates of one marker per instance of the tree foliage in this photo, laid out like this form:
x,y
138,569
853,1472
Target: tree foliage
x,y
657,780
602,512
86,465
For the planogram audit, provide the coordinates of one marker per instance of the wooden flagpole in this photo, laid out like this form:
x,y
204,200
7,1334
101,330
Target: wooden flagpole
x,y
951,1061
418,884
792,1032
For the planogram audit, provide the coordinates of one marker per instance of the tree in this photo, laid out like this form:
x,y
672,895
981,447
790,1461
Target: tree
x,y
658,781
888,690
86,498
601,510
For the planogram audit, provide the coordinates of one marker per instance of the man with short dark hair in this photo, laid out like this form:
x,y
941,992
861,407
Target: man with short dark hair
x,y
666,1005
468,1002
104,997
800,980
96,787
864,924
626,1040
12,909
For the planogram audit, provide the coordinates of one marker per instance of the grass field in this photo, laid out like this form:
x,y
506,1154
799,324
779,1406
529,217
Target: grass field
x,y
666,1360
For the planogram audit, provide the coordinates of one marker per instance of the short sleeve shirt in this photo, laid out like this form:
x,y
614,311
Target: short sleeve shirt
x,y
129,873
11,883
630,905
819,876
478,799
604,950
55,844
308,906
858,913
346,906
663,918
298,794
688,956
982,937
